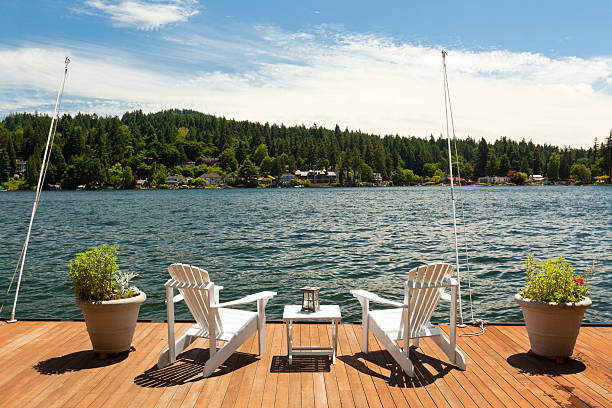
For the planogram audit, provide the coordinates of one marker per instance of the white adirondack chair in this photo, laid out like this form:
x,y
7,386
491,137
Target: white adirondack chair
x,y
410,320
214,320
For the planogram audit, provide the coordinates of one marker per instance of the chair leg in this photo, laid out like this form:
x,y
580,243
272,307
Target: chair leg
x,y
453,353
261,325
398,355
181,344
215,360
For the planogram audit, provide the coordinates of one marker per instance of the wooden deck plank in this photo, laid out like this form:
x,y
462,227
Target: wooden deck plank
x,y
307,386
575,385
24,379
372,376
360,396
329,377
275,353
493,377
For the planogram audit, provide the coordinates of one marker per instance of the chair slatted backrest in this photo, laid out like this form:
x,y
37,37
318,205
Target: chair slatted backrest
x,y
197,299
423,302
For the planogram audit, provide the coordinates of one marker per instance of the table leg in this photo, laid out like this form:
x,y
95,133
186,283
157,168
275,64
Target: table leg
x,y
290,341
334,340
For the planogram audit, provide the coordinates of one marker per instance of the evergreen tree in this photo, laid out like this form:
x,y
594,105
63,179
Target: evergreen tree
x,y
482,156
552,169
4,166
247,172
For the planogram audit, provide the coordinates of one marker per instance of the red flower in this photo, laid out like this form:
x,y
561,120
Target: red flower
x,y
579,280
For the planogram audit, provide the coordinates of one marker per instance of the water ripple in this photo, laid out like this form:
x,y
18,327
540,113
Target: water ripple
x,y
251,240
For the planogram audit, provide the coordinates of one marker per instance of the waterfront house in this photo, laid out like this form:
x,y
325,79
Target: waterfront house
x,y
20,165
493,180
377,179
172,181
537,178
187,165
211,178
318,176
140,183
446,179
285,179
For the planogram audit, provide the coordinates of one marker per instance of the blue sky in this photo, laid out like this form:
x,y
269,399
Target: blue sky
x,y
535,70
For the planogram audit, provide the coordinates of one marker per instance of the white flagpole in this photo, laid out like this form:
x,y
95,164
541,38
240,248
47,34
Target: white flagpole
x,y
43,171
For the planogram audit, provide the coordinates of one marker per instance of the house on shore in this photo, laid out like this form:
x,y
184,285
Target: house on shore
x,y
211,178
537,178
186,165
494,180
285,179
172,181
318,176
20,165
140,183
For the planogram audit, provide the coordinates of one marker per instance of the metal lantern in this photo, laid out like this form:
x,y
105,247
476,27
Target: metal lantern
x,y
310,299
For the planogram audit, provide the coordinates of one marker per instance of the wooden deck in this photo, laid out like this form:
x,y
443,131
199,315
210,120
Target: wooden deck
x,y
50,364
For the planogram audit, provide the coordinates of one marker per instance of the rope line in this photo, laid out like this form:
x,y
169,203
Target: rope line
x,y
449,111
43,172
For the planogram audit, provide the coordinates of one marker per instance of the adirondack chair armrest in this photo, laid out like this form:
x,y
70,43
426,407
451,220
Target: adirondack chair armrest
x,y
445,295
176,299
247,299
364,294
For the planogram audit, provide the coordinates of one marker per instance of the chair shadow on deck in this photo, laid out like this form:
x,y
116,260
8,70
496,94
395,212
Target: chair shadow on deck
x,y
189,367
536,365
300,364
80,360
397,377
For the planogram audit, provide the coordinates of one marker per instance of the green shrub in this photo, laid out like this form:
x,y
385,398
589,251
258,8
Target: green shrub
x,y
96,276
553,280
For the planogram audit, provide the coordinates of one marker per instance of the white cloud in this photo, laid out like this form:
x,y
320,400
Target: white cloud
x,y
361,82
146,15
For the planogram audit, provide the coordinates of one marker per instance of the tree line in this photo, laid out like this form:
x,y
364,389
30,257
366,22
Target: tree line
x,y
108,151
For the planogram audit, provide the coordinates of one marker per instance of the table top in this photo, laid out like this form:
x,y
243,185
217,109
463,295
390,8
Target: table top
x,y
327,312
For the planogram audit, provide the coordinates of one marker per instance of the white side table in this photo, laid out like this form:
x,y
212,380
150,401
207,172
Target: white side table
x,y
329,313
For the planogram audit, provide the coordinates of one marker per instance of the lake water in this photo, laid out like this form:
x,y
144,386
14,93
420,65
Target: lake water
x,y
282,239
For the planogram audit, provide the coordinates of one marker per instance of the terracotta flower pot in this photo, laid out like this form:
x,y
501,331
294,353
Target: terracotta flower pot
x,y
552,327
111,323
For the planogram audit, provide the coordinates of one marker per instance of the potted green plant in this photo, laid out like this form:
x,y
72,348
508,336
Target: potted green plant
x,y
553,303
110,305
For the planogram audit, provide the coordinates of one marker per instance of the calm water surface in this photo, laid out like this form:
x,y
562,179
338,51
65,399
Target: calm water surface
x,y
338,239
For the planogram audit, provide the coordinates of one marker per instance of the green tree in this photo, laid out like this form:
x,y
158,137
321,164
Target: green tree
x,y
260,153
429,169
564,167
366,172
227,160
266,166
115,174
552,168
127,178
247,171
580,173
492,164
4,166
33,170
482,156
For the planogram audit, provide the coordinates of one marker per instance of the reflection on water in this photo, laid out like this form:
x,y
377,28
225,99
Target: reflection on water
x,y
252,240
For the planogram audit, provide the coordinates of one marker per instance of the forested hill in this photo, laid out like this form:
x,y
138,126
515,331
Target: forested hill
x,y
111,151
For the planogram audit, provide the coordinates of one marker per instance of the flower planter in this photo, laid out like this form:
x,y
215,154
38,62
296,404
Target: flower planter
x,y
552,327
111,323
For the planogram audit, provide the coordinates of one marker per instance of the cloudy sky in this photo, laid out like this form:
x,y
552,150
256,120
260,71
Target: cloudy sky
x,y
522,69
